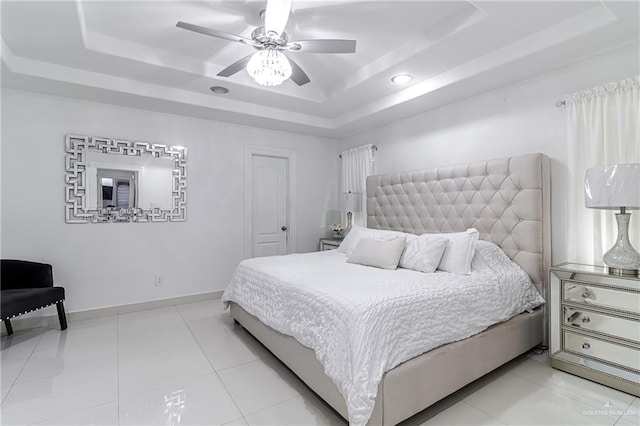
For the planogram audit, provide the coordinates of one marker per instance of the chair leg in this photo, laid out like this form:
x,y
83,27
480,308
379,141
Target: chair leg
x,y
61,316
7,325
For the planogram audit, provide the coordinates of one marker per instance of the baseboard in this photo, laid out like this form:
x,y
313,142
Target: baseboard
x,y
52,320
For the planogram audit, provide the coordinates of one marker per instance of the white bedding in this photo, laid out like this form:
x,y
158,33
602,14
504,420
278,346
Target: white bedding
x,y
363,321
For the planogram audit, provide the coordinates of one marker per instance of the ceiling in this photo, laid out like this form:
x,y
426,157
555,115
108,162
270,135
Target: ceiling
x,y
132,54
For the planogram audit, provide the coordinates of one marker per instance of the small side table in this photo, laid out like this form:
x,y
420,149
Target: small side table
x,y
329,243
595,325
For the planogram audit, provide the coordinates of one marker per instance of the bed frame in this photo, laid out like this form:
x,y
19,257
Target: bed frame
x,y
508,201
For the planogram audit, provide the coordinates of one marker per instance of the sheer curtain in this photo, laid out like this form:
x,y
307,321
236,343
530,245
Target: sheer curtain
x,y
357,164
603,127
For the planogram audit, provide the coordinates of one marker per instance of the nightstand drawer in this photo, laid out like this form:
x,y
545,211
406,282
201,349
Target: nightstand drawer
x,y
599,296
329,244
584,319
602,350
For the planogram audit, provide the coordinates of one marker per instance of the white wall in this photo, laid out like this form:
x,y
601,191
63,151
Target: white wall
x,y
517,119
196,256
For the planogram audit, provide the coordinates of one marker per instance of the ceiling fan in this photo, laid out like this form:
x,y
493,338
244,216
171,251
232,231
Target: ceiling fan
x,y
269,66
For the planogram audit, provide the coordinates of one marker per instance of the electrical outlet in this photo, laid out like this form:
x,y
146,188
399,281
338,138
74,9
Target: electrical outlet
x,y
159,280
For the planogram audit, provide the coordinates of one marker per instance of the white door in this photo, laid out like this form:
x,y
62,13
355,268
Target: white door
x,y
269,206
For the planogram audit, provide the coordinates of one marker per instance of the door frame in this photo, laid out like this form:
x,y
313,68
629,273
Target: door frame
x,y
251,151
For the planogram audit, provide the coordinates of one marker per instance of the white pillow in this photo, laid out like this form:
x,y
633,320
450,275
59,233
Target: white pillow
x,y
479,261
357,233
423,253
488,256
459,251
350,240
379,253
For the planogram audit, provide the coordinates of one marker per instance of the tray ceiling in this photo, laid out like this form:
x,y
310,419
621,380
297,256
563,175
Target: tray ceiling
x,y
131,53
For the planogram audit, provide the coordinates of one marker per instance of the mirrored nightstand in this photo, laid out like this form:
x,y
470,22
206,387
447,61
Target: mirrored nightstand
x,y
594,321
330,243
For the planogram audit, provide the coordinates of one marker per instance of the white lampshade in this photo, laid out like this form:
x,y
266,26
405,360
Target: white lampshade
x,y
613,186
349,202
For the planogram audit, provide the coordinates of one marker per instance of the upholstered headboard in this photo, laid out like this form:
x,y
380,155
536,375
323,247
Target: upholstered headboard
x,y
507,200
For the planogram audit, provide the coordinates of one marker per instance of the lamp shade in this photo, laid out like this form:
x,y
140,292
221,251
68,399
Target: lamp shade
x,y
349,202
613,186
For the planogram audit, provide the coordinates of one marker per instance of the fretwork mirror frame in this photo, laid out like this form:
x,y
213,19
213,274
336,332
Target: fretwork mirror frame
x,y
76,209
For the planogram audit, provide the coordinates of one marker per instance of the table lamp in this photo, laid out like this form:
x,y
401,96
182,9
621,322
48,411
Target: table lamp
x,y
613,187
349,203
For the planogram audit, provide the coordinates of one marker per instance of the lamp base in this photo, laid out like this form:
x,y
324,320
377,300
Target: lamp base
x,y
622,258
623,272
349,223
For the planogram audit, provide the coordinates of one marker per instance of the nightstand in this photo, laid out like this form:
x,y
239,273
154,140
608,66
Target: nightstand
x,y
594,321
329,243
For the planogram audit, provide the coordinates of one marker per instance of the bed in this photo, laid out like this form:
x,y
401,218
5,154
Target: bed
x,y
507,201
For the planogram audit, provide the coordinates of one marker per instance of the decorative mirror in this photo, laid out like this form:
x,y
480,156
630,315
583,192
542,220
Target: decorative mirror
x,y
111,180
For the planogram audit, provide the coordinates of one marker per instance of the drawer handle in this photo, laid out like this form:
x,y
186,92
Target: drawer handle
x,y
586,346
588,294
574,317
586,320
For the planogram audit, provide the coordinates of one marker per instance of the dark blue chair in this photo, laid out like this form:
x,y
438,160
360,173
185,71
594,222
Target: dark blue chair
x,y
27,286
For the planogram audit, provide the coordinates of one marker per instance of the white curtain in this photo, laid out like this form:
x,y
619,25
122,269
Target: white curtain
x,y
357,164
603,127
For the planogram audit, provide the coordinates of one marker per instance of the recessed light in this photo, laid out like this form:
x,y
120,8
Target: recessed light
x,y
401,78
219,90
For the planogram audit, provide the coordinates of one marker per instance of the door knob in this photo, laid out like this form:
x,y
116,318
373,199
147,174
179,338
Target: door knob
x,y
284,228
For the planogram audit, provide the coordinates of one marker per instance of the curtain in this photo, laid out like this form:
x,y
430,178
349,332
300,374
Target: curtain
x,y
603,127
357,164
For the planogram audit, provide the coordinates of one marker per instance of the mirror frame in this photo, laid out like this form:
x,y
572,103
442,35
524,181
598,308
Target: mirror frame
x,y
76,188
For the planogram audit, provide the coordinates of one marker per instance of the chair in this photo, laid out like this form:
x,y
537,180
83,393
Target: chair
x,y
27,286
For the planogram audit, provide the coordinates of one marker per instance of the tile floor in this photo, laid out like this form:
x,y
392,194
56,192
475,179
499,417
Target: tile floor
x,y
189,364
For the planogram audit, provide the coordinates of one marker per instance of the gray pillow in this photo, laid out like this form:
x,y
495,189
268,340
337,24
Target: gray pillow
x,y
378,253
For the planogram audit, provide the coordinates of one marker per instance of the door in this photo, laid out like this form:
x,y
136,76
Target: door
x,y
269,206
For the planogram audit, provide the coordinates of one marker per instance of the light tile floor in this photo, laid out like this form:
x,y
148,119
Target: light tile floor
x,y
189,364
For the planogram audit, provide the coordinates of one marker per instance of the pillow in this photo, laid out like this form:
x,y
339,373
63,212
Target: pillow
x,y
423,253
352,239
483,248
459,251
488,256
379,253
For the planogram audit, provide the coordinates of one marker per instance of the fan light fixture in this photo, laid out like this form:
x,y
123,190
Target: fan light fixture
x,y
269,67
401,78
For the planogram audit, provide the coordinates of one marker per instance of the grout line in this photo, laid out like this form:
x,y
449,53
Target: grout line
x,y
74,412
235,420
42,333
41,336
305,389
212,367
626,410
73,371
149,354
492,417
300,395
571,396
239,365
118,366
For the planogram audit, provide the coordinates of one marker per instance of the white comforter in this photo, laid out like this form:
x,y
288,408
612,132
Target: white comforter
x,y
363,321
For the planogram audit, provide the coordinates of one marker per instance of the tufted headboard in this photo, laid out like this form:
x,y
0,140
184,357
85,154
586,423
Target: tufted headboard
x,y
507,200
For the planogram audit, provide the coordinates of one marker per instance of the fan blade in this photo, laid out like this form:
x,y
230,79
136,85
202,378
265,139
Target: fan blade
x,y
297,75
276,16
324,46
235,67
215,33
